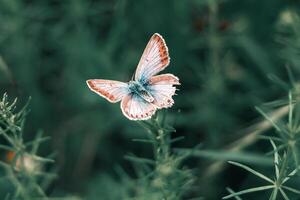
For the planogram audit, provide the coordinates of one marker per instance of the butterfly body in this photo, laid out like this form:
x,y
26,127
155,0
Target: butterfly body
x,y
140,89
147,92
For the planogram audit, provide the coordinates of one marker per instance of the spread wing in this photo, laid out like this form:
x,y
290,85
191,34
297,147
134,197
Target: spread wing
x,y
162,89
136,108
154,59
113,91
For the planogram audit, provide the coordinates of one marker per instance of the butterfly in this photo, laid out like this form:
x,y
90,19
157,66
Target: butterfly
x,y
147,91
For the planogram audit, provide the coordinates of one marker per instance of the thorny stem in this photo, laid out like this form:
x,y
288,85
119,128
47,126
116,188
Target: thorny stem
x,y
161,143
169,179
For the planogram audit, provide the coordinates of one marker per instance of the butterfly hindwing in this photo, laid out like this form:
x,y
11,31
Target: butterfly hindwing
x,y
136,108
155,58
113,91
162,89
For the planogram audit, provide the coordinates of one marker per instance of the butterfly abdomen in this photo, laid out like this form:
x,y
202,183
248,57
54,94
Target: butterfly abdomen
x,y
137,88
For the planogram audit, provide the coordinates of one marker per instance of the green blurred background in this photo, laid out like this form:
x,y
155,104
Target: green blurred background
x,y
222,51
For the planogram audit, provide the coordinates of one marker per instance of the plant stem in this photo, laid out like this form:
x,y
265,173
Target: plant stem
x,y
161,143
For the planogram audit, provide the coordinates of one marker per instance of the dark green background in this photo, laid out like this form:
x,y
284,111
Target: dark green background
x,y
222,56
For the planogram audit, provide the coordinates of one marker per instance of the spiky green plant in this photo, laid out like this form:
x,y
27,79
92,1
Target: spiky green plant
x,y
286,157
276,185
164,176
24,168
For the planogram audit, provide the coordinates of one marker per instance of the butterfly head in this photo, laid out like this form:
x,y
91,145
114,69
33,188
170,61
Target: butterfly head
x,y
138,89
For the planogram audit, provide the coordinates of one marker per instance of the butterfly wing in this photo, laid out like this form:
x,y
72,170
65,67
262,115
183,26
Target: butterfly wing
x,y
155,58
162,89
113,91
136,108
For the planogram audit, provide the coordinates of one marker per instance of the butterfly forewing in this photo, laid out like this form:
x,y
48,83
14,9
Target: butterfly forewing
x,y
155,58
113,91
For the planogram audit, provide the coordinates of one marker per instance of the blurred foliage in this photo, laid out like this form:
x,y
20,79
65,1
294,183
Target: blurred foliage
x,y
230,56
25,176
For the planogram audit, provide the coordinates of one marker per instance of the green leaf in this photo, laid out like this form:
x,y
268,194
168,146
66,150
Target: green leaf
x,y
283,194
291,189
177,139
142,140
140,160
38,158
275,79
280,147
37,140
291,174
228,155
251,171
256,189
274,194
276,159
232,192
264,137
269,119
